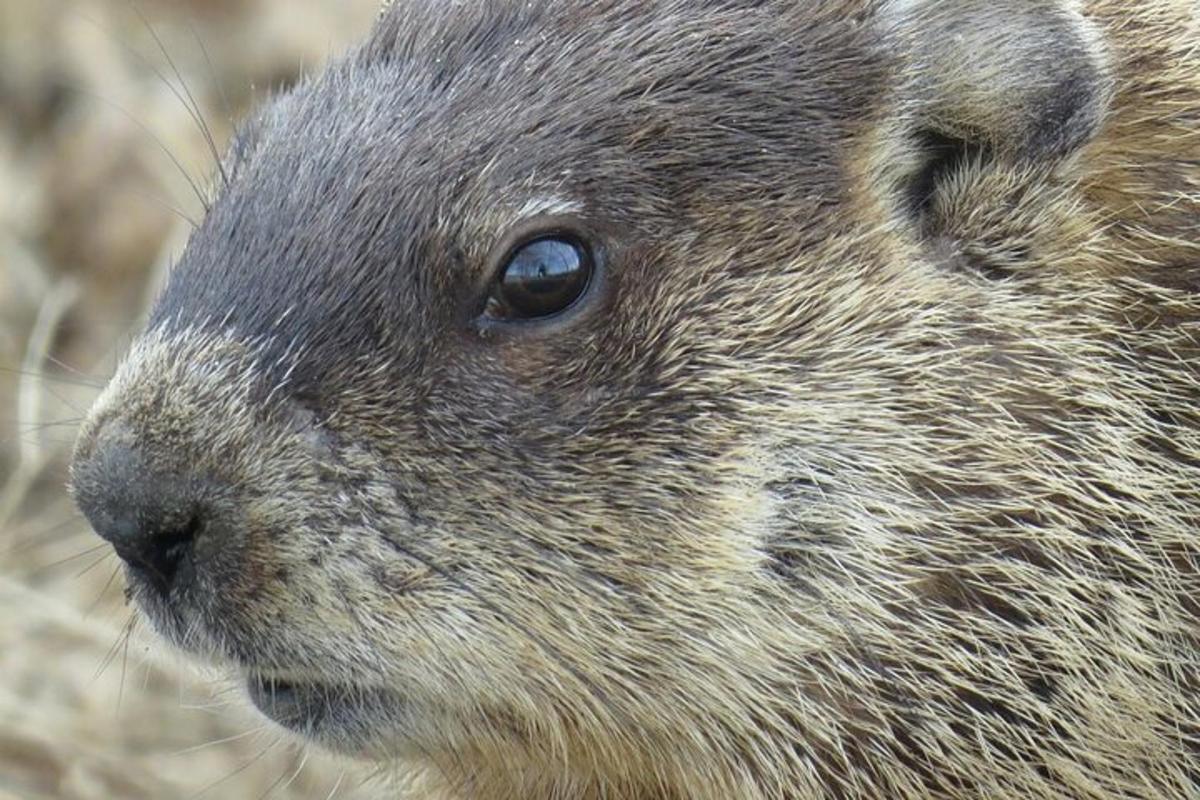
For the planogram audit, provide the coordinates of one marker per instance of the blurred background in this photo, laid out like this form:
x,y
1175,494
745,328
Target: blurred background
x,y
101,159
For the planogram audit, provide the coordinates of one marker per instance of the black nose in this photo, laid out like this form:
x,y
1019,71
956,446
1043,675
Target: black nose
x,y
151,514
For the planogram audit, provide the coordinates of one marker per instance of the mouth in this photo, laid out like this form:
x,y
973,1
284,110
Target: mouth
x,y
342,718
294,705
346,716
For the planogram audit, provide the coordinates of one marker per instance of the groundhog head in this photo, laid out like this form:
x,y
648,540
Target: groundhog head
x,y
692,400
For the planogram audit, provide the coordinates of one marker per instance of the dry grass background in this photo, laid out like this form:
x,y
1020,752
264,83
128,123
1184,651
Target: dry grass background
x,y
92,211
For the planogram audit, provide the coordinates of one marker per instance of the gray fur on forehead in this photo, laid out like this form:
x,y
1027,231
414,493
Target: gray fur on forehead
x,y
635,106
363,199
691,90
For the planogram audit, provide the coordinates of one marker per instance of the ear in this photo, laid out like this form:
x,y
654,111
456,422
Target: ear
x,y
1026,79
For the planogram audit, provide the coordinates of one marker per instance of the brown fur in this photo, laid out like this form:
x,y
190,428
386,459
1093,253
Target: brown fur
x,y
863,476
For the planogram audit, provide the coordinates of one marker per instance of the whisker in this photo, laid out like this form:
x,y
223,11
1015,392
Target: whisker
x,y
125,632
236,772
93,565
41,571
212,72
167,205
63,400
124,665
194,108
221,696
214,706
147,670
31,437
187,176
217,742
64,365
24,427
280,784
46,376
39,539
336,786
107,585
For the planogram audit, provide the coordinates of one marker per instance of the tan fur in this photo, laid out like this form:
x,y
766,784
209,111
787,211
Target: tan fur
x,y
910,514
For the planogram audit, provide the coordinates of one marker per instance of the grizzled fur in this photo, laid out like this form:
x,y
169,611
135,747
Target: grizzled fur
x,y
868,467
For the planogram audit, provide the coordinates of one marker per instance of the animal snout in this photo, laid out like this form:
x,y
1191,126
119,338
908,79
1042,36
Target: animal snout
x,y
152,513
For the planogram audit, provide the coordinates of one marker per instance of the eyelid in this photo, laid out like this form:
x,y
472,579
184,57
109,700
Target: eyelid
x,y
539,226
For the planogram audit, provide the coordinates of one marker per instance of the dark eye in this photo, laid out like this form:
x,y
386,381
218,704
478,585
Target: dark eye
x,y
542,277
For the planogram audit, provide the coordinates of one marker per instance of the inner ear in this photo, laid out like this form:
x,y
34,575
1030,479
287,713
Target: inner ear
x,y
941,157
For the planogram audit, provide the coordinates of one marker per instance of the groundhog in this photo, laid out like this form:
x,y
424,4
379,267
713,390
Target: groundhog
x,y
708,400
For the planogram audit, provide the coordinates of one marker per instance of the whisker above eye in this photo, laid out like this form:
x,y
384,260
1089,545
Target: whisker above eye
x,y
185,98
188,178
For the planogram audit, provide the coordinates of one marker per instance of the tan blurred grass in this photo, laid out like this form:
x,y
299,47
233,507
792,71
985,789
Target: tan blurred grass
x,y
92,209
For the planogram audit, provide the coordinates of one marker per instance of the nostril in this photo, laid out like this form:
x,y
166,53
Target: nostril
x,y
160,557
153,549
150,513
